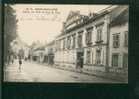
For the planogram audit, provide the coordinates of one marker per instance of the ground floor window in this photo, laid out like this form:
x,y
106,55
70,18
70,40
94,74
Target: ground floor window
x,y
88,57
46,59
98,57
92,58
125,60
115,57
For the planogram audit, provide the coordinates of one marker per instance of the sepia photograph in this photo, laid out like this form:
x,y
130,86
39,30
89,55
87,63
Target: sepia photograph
x,y
66,43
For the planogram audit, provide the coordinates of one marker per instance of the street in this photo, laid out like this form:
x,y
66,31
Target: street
x,y
33,72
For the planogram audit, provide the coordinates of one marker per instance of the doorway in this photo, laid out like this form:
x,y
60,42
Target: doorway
x,y
80,60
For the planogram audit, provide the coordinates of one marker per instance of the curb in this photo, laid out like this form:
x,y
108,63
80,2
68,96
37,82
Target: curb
x,y
112,78
120,79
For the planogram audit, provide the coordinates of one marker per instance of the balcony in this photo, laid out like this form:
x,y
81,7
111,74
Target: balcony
x,y
89,43
99,41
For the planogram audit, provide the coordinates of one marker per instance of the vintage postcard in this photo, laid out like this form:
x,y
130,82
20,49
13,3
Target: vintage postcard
x,y
66,43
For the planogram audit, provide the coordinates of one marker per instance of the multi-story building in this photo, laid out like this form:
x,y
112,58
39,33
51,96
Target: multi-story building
x,y
36,52
118,43
86,39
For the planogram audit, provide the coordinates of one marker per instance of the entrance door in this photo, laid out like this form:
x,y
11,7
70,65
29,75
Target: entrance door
x,y
79,60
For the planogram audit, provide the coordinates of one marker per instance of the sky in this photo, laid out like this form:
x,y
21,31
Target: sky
x,y
44,27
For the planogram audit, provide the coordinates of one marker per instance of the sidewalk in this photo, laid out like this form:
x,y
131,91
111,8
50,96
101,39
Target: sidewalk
x,y
109,75
13,74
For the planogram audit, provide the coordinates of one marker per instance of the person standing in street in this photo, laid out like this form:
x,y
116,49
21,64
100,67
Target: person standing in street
x,y
20,63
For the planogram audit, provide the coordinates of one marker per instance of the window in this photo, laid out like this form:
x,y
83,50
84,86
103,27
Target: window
x,y
80,40
115,60
89,36
99,33
68,42
98,57
126,39
59,44
64,44
41,54
116,40
88,57
73,45
92,58
125,60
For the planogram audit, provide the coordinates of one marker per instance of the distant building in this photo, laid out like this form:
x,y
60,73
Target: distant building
x,y
49,53
19,48
88,40
38,54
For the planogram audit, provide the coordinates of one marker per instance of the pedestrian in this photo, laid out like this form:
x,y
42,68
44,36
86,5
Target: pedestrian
x,y
20,63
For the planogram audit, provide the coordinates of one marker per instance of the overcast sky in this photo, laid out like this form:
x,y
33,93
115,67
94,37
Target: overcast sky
x,y
44,27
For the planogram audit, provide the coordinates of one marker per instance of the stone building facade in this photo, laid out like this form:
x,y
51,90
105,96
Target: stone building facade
x,y
118,56
86,39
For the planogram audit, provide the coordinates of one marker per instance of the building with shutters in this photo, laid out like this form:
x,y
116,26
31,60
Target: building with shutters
x,y
87,39
118,45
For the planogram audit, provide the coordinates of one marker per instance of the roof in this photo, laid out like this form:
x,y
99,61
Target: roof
x,y
86,20
116,12
121,18
74,13
71,14
40,48
51,43
60,34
